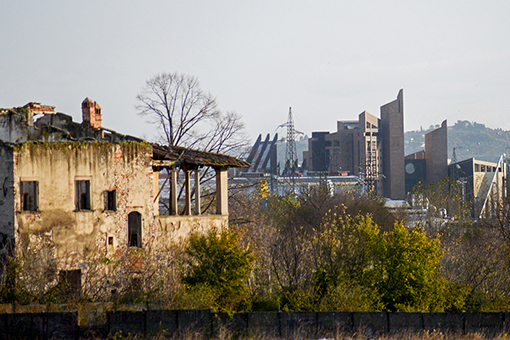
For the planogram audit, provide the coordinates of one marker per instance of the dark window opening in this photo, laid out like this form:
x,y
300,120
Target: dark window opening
x,y
110,240
29,191
70,281
83,195
110,200
135,229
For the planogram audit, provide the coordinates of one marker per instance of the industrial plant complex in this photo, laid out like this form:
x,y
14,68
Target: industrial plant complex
x,y
369,151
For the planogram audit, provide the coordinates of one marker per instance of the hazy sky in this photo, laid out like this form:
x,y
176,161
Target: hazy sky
x,y
328,60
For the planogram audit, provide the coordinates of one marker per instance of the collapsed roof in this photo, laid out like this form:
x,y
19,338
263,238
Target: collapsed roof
x,y
53,127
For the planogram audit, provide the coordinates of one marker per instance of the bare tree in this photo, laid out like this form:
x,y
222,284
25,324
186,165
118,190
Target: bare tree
x,y
187,116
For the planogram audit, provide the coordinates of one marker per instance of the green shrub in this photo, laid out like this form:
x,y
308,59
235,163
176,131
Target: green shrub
x,y
216,261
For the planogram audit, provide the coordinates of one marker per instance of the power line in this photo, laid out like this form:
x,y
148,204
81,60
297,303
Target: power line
x,y
290,152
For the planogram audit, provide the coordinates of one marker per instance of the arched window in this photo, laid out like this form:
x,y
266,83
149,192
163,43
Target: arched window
x,y
134,229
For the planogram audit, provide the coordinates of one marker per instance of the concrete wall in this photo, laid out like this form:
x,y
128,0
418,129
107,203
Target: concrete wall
x,y
436,154
343,150
14,127
287,325
18,127
290,325
168,229
6,194
392,131
415,170
39,326
320,159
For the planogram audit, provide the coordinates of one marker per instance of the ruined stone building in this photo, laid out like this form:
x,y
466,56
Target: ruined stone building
x,y
370,147
90,190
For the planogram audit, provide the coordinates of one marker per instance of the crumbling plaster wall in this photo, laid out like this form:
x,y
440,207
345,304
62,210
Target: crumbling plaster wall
x,y
170,229
6,195
14,127
124,167
65,122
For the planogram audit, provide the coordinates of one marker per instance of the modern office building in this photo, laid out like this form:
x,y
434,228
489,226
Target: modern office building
x,y
392,134
429,165
370,147
436,154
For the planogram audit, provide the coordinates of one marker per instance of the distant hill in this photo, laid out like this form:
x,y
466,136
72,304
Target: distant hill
x,y
471,139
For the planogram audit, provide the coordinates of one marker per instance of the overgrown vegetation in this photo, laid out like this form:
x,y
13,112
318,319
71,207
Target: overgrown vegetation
x,y
216,263
305,252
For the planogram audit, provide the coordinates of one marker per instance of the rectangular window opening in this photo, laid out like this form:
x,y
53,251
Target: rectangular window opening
x,y
29,195
134,229
110,200
70,281
83,195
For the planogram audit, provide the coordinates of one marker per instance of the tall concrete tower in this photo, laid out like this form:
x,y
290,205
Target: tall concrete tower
x,y
436,154
392,131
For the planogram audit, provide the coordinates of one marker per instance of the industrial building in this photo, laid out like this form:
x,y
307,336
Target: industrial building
x,y
370,147
431,164
483,185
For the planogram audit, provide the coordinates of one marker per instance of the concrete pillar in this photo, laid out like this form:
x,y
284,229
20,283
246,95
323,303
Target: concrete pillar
x,y
187,184
155,207
174,208
221,191
197,192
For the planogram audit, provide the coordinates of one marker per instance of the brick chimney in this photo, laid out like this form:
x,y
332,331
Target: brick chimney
x,y
91,113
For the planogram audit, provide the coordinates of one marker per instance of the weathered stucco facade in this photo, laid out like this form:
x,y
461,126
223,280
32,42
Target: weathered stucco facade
x,y
57,168
7,217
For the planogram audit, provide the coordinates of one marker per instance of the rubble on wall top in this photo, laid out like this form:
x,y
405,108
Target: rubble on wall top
x,y
38,108
59,127
31,107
